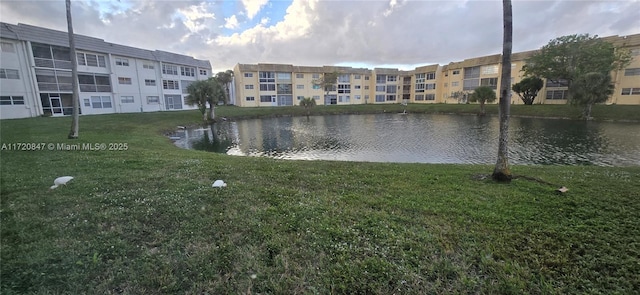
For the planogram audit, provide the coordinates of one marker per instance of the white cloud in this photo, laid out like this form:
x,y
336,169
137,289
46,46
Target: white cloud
x,y
253,7
374,33
231,22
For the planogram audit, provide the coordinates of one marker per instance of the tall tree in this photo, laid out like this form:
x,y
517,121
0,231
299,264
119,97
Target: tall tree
x,y
590,89
528,89
75,121
567,58
501,171
327,82
225,78
482,95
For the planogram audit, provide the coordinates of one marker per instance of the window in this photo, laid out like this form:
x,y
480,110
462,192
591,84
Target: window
x,y
380,97
101,102
124,80
455,84
299,76
381,88
184,84
93,83
431,76
344,88
391,89
148,66
169,69
250,98
420,87
430,96
632,72
456,72
344,78
392,79
366,87
149,82
420,78
170,84
126,99
381,79
316,97
7,47
344,98
11,100
557,83
268,87
366,97
470,84
173,101
357,97
430,86
356,77
490,70
630,91
188,71
300,97
267,77
491,82
284,89
557,94
153,99
419,97
87,102
248,75
472,72
283,76
9,74
248,86
267,98
315,76
203,72
356,86
92,60
366,78
299,86
122,62
391,97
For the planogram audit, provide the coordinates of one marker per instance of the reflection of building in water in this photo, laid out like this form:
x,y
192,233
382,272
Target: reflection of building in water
x,y
259,85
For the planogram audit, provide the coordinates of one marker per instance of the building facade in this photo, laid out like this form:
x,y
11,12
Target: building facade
x,y
265,85
35,75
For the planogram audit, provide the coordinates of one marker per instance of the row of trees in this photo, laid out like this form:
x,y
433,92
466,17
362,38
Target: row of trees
x,y
210,92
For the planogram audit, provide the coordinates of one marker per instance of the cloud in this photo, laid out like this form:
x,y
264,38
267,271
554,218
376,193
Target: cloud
x,y
253,7
231,22
372,33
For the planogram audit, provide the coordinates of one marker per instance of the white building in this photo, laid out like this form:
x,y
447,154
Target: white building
x,y
35,75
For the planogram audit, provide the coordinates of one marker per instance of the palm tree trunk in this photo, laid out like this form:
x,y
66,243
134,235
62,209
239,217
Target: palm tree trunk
x,y
501,172
75,125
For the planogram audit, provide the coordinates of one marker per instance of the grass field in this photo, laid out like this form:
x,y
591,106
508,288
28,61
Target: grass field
x,y
145,220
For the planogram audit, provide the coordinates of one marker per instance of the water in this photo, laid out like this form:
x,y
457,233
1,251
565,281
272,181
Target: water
x,y
421,138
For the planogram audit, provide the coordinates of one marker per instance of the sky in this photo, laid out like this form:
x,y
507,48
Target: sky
x,y
399,34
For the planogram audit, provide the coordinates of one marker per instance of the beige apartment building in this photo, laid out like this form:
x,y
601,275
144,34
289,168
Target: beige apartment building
x,y
259,85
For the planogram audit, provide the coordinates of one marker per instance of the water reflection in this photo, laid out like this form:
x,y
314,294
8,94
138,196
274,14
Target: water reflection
x,y
423,138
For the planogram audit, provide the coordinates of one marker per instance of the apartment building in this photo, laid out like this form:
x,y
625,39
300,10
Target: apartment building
x,y
35,75
279,85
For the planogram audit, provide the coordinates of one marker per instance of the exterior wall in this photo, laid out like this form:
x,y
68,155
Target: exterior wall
x,y
445,81
19,97
38,76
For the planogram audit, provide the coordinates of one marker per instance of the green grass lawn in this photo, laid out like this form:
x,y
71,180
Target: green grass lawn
x,y
145,220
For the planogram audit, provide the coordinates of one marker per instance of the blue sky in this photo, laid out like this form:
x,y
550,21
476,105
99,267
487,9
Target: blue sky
x,y
361,33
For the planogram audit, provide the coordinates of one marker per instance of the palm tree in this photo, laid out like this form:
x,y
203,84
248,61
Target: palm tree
x,y
501,172
482,94
225,78
308,103
75,121
199,93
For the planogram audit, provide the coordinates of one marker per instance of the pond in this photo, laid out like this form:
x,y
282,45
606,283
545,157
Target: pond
x,y
421,138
